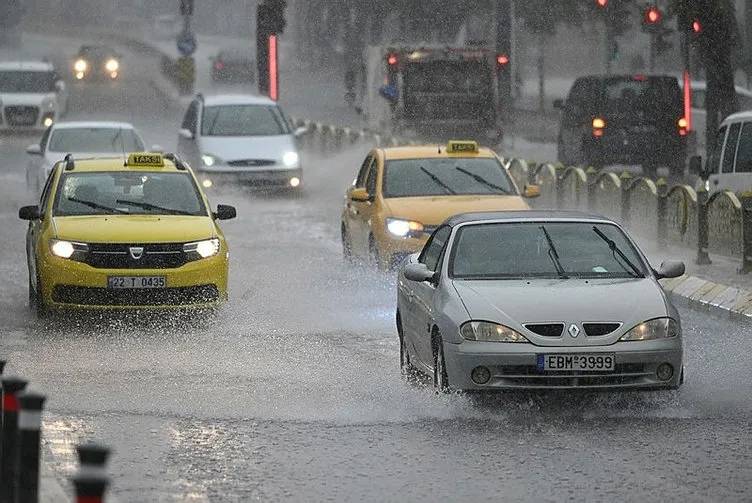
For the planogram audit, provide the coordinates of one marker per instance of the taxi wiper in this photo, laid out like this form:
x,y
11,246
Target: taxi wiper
x,y
149,206
553,254
438,181
616,251
482,180
96,206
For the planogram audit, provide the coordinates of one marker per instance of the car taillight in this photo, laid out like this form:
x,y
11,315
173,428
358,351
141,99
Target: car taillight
x,y
683,125
598,126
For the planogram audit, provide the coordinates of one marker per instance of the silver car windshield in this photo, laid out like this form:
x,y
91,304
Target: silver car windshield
x,y
95,140
243,120
120,192
440,177
544,250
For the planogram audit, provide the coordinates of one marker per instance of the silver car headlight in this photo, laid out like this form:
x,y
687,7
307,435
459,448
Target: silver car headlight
x,y
204,249
66,249
291,159
659,328
112,65
403,228
80,65
486,331
210,160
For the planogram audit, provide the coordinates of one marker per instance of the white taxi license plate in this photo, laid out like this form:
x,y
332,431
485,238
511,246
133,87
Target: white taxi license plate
x,y
601,362
136,282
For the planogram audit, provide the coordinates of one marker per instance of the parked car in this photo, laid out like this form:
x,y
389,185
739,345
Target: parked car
x,y
32,95
635,119
729,163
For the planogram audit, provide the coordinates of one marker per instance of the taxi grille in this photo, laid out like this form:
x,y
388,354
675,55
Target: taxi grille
x,y
118,256
85,296
21,115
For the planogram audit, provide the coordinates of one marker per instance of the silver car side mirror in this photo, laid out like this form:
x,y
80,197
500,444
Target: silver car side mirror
x,y
418,272
185,133
34,149
300,132
670,269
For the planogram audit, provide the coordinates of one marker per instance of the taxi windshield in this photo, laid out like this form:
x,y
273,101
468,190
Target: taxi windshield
x,y
243,120
129,193
544,250
27,82
95,140
451,176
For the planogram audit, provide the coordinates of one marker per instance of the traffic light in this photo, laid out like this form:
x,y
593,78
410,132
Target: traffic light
x,y
652,19
186,7
696,27
601,4
270,16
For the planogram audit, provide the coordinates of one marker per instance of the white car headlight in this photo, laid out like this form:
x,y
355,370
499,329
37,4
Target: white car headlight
x,y
66,249
403,228
80,65
205,249
486,331
209,160
291,159
112,65
659,328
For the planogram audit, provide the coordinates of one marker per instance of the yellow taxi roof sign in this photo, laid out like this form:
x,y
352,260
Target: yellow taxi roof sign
x,y
145,160
462,147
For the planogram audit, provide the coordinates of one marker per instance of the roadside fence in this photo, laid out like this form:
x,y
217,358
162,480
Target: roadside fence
x,y
20,449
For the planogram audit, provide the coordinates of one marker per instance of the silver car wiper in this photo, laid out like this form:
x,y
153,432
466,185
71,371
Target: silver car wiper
x,y
553,254
615,250
482,180
438,181
149,206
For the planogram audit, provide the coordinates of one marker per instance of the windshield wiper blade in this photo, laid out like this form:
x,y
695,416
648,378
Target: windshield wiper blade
x,y
482,180
96,206
149,206
617,251
553,254
438,181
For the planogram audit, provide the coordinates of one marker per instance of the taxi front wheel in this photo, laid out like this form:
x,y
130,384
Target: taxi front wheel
x,y
36,301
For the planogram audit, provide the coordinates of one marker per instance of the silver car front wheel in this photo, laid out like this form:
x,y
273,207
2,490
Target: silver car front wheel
x,y
440,379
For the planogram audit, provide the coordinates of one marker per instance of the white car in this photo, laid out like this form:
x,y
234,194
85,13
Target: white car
x,y
699,115
32,96
82,140
240,139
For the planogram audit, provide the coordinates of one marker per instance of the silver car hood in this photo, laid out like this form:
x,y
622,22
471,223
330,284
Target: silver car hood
x,y
235,148
514,303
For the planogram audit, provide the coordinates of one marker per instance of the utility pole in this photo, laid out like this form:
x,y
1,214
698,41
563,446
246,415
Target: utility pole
x,y
505,58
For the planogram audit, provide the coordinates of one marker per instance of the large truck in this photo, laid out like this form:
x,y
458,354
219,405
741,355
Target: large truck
x,y
435,91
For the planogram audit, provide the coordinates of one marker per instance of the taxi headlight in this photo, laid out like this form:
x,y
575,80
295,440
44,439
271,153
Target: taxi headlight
x,y
291,159
80,65
66,249
403,228
659,328
112,65
205,249
486,331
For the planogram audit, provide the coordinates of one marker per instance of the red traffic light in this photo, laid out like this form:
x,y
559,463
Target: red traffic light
x,y
696,26
502,59
653,15
601,4
392,59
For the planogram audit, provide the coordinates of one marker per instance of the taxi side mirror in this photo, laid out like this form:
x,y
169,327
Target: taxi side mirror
x,y
225,212
360,195
670,269
532,191
29,213
419,272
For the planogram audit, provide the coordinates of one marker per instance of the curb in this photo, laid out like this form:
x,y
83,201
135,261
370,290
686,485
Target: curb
x,y
699,292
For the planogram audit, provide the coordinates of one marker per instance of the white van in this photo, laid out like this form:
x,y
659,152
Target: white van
x,y
729,164
699,115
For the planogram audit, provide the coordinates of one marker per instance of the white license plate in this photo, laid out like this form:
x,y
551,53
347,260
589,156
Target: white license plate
x,y
593,362
136,282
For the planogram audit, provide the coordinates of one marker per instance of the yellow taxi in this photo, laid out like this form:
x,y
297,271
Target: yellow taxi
x,y
125,234
402,194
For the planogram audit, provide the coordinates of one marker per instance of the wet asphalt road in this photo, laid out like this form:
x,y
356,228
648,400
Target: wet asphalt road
x,y
293,392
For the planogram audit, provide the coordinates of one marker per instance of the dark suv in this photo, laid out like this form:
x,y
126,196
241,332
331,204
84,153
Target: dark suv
x,y
624,120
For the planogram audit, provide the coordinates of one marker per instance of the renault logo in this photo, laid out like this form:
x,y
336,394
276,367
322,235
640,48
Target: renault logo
x,y
573,330
136,252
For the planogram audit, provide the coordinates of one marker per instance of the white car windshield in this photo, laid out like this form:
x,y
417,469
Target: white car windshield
x,y
544,250
106,193
95,140
243,120
33,82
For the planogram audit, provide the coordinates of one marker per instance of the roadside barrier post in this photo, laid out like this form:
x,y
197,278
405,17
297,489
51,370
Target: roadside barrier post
x,y
592,185
90,489
9,458
92,459
29,427
702,227
626,178
662,187
746,200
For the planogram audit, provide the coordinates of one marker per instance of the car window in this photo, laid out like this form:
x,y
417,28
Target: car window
x,y
360,182
744,151
190,120
95,140
431,254
450,176
522,250
714,158
729,152
243,120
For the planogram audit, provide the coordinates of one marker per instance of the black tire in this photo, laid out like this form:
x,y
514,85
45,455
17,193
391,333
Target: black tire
x,y
36,302
406,368
440,378
347,253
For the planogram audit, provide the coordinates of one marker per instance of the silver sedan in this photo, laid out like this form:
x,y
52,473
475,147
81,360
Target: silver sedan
x,y
537,300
